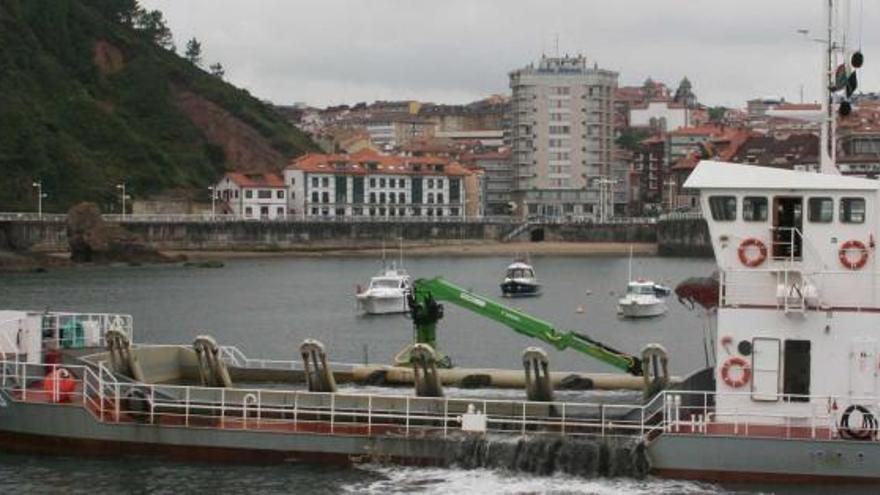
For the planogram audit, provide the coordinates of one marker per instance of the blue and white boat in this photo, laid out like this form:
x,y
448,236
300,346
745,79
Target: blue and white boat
x,y
520,281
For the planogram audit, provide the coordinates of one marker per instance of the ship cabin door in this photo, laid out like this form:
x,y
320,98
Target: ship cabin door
x,y
788,224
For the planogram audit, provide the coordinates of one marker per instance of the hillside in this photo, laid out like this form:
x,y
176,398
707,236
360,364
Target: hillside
x,y
89,99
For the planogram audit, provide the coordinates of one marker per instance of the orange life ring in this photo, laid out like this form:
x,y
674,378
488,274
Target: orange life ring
x,y
749,261
853,245
745,372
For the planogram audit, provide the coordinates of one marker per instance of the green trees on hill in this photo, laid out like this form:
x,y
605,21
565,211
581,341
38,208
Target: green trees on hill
x,y
87,99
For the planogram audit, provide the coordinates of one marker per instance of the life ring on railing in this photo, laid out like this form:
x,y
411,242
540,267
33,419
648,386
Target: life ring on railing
x,y
853,245
745,373
59,384
865,432
743,250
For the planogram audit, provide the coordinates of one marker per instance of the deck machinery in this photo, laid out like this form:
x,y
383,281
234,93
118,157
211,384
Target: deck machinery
x,y
426,311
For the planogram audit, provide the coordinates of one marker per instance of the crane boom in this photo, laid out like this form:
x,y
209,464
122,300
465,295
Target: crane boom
x,y
426,311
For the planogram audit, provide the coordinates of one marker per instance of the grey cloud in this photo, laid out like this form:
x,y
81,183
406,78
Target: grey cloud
x,y
332,51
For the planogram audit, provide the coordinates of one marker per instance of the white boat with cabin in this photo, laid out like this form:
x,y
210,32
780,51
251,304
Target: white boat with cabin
x,y
641,300
386,293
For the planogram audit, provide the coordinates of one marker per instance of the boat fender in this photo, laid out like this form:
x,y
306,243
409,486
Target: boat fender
x,y
752,261
745,373
866,431
59,385
853,245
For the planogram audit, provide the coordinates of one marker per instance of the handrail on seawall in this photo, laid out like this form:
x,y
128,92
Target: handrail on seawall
x,y
112,401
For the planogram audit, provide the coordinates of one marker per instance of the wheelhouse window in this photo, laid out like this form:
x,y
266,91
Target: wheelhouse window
x,y
852,210
723,208
755,209
821,210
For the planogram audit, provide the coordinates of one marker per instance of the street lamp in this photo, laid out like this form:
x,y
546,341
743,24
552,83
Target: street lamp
x,y
39,186
213,197
121,187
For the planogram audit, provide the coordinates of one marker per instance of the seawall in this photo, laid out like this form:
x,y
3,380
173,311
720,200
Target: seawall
x,y
674,237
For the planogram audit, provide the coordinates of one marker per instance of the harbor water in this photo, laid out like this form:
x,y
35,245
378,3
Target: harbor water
x,y
268,306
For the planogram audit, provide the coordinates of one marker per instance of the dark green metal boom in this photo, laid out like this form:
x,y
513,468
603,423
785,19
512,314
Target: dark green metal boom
x,y
426,312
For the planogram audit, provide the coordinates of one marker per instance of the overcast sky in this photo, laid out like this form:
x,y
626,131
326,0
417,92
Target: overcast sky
x,y
326,52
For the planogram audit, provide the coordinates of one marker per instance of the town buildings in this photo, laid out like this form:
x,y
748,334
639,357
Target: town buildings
x,y
252,195
562,136
498,178
371,185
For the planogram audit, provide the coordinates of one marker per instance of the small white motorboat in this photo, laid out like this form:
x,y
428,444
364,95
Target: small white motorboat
x,y
641,300
520,280
386,293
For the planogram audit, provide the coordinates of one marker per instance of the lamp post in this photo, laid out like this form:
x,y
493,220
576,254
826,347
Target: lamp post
x,y
39,186
213,198
121,187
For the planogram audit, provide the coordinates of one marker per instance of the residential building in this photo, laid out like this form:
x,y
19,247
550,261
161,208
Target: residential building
x,y
562,136
252,196
368,184
498,179
391,130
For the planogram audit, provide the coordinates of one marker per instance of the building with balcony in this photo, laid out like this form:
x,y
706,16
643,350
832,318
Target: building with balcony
x,y
368,184
562,136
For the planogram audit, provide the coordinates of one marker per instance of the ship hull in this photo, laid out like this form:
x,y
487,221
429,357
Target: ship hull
x,y
520,289
764,460
375,305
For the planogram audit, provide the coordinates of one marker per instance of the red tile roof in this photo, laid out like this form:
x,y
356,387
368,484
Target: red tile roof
x,y
243,179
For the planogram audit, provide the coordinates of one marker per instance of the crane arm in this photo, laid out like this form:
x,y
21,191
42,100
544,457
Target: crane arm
x,y
426,312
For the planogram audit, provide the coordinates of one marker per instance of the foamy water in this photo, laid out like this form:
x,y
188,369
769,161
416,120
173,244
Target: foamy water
x,y
410,480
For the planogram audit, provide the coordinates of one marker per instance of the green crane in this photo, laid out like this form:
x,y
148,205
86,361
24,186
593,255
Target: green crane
x,y
426,311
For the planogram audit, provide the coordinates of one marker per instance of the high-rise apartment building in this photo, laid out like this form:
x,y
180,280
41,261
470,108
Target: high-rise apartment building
x,y
562,136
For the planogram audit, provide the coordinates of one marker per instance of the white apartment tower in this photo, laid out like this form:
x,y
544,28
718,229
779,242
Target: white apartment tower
x,y
562,136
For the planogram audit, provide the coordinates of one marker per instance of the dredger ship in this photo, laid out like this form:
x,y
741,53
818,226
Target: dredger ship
x,y
792,396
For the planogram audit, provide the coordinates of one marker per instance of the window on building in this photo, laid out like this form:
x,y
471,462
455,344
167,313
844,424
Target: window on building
x,y
325,181
314,196
314,211
236,194
279,194
382,199
430,198
340,212
392,183
391,198
439,183
341,189
401,212
755,209
723,208
381,182
852,210
417,212
264,194
453,212
248,211
401,198
357,190
279,212
293,181
821,210
440,198
430,183
372,182
248,193
372,197
325,197
372,212
392,212
314,182
439,212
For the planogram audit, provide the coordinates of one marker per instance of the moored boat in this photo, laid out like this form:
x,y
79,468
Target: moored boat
x,y
386,293
520,280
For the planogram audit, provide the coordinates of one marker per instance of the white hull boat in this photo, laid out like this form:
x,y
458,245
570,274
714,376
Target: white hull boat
x,y
386,293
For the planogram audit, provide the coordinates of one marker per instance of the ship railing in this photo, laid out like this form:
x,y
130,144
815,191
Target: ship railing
x,y
111,399
820,289
70,330
234,356
801,417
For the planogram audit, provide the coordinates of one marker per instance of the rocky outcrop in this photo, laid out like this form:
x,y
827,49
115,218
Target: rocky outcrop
x,y
244,147
92,240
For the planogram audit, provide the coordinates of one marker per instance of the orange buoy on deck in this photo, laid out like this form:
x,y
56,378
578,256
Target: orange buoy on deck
x,y
59,385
